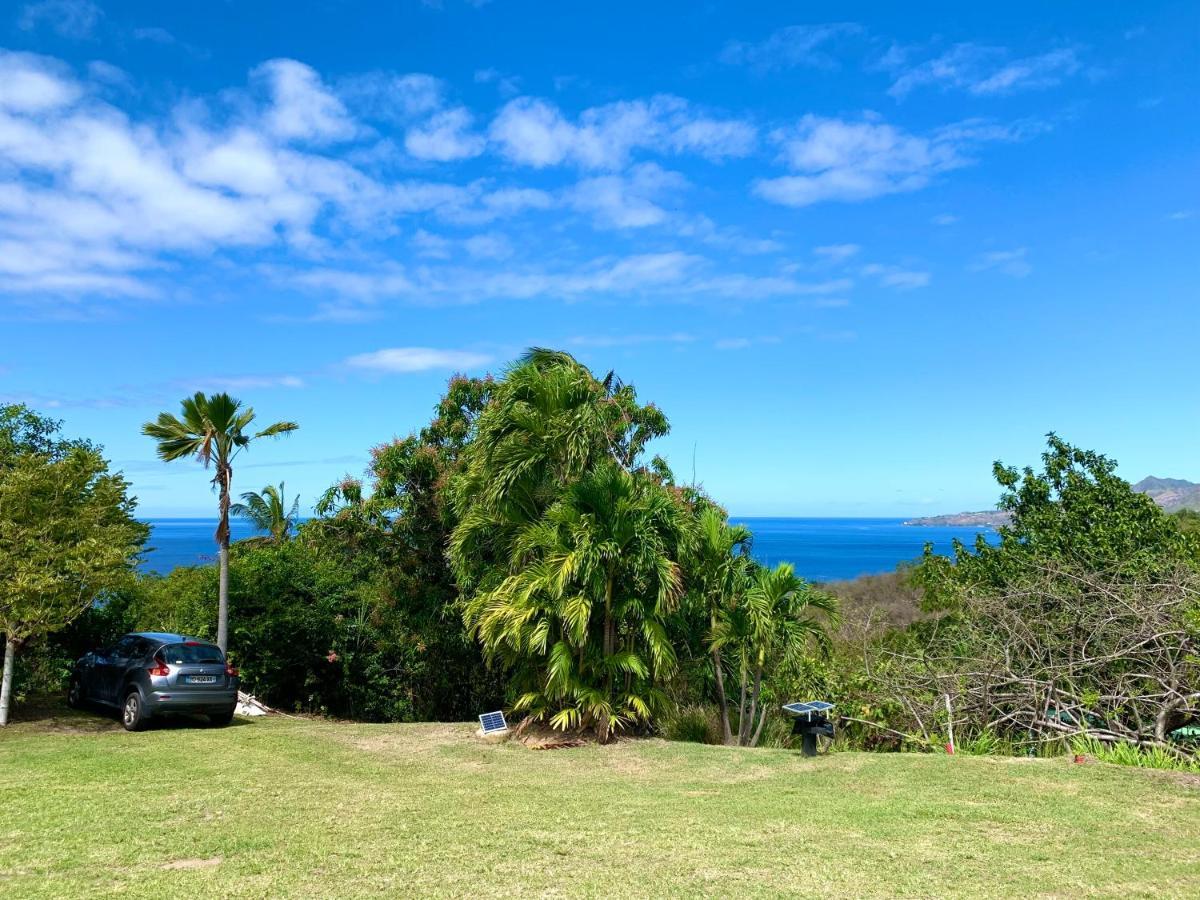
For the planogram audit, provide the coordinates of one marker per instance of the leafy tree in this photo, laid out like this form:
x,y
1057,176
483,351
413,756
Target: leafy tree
x,y
67,534
555,520
581,612
1188,521
213,429
1075,513
395,528
269,512
719,571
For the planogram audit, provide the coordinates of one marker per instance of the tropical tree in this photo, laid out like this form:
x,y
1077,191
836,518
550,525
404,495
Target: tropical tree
x,y
719,571
771,620
67,534
214,430
1076,513
269,512
580,614
565,549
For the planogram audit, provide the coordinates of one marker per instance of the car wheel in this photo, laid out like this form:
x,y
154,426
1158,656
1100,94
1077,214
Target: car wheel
x,y
133,714
75,694
221,719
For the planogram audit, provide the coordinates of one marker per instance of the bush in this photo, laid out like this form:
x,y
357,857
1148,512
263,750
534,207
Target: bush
x,y
693,724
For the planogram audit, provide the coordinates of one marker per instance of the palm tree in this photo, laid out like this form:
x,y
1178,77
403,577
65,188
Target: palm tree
x,y
565,551
721,571
213,429
774,622
268,512
581,611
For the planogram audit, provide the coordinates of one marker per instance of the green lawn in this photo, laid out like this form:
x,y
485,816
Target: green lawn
x,y
283,807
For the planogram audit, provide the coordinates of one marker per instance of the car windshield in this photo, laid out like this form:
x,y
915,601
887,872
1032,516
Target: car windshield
x,y
191,652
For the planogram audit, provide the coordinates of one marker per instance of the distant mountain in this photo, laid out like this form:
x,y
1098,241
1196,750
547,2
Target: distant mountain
x,y
1172,494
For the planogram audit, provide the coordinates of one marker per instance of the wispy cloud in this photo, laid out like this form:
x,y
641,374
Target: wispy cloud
x,y
394,360
796,45
897,276
627,340
1010,262
837,252
859,160
983,71
76,19
533,132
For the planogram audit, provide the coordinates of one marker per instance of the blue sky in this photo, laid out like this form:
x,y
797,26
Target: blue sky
x,y
856,252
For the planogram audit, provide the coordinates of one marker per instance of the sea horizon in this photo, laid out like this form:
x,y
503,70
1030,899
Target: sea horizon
x,y
822,548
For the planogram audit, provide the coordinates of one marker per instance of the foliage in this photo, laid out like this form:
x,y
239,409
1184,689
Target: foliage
x,y
565,551
269,512
760,621
1077,513
1188,521
314,633
212,429
67,532
394,530
693,724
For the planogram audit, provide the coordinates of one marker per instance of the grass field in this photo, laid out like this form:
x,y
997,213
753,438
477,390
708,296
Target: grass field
x,y
283,807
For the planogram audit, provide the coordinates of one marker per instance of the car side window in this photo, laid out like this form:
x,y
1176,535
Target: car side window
x,y
123,647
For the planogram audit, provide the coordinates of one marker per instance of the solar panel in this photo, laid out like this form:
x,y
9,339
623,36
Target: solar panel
x,y
807,709
492,723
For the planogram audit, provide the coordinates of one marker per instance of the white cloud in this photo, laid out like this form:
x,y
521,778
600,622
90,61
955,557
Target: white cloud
x,y
944,219
242,383
629,340
70,18
984,71
415,359
488,246
303,107
392,97
837,252
853,161
897,277
444,137
796,45
1010,262
32,84
534,132
627,201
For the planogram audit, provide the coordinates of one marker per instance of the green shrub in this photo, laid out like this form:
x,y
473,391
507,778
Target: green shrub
x,y
1123,754
693,724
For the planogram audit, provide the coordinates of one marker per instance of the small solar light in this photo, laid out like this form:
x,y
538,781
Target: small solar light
x,y
492,723
811,719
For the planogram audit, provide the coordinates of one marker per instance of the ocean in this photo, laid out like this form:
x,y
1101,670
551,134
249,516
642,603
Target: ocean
x,y
820,549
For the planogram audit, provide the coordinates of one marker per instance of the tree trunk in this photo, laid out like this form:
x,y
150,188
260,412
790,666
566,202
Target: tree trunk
x,y
748,726
225,483
10,651
727,732
223,598
742,676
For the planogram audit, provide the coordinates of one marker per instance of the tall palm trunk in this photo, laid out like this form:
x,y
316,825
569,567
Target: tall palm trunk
x,y
609,635
224,484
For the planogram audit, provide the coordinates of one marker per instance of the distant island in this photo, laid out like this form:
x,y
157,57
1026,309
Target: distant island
x,y
1172,494
983,519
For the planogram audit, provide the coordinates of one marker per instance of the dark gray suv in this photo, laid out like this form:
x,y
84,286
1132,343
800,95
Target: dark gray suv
x,y
150,673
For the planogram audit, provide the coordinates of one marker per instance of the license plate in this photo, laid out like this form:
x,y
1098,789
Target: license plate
x,y
202,679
